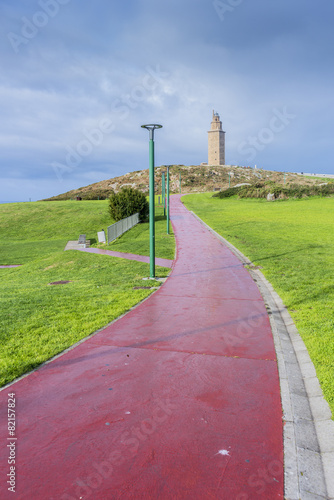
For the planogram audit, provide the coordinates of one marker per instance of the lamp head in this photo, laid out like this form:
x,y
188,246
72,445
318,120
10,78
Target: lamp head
x,y
151,128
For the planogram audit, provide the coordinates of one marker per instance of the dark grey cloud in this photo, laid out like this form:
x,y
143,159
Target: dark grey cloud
x,y
75,89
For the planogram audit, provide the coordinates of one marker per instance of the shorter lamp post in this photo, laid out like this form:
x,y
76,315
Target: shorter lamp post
x,y
151,128
163,192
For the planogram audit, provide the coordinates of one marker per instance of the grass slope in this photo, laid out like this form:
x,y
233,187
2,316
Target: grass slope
x,y
294,243
33,230
138,239
38,320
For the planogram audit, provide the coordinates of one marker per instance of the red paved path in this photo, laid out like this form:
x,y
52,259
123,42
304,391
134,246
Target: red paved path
x,y
129,256
179,399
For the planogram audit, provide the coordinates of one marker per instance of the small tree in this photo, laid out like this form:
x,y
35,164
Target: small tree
x,y
126,202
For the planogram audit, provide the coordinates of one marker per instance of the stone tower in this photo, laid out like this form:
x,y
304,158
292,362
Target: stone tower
x,y
216,142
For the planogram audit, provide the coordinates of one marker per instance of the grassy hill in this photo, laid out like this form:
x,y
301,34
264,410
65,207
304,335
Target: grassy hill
x,y
193,179
35,230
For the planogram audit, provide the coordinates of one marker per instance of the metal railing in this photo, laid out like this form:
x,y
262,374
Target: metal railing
x,y
120,227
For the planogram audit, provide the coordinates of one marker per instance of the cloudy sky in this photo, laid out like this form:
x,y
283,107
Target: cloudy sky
x,y
78,79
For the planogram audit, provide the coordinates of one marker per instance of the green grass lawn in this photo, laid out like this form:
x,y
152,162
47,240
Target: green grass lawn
x,y
293,241
33,230
138,239
38,320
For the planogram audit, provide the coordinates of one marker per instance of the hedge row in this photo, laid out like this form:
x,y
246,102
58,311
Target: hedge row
x,y
260,190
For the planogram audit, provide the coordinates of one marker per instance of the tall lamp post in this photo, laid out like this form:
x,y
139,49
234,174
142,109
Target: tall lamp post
x,y
151,128
168,199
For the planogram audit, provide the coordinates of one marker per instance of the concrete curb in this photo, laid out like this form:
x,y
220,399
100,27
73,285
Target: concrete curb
x,y
308,428
74,245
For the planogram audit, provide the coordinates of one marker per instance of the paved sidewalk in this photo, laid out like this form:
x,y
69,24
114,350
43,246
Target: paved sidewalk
x,y
178,399
10,267
129,256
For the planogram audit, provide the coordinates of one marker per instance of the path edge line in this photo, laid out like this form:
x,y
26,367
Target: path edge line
x,y
308,461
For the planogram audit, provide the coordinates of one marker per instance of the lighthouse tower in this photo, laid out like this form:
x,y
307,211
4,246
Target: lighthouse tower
x,y
216,142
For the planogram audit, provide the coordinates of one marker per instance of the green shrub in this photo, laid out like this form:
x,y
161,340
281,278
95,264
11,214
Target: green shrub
x,y
227,193
126,202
